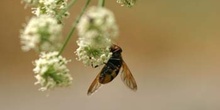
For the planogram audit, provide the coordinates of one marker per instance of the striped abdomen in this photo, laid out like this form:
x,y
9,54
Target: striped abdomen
x,y
112,67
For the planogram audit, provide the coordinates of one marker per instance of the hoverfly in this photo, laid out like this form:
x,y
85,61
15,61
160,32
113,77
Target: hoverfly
x,y
111,70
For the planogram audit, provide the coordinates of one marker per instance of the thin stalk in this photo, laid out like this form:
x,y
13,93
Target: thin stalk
x,y
101,3
72,2
74,26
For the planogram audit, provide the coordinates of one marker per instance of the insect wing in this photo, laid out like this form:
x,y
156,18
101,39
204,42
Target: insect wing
x,y
94,86
127,77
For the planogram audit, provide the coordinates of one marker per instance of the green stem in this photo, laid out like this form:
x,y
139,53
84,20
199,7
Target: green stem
x,y
72,2
101,3
74,26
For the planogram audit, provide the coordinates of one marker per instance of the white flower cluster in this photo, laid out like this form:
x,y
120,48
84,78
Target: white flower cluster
x,y
93,56
53,8
42,33
51,71
128,3
97,30
31,2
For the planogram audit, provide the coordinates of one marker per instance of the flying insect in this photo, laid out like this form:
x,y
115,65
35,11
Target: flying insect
x,y
111,70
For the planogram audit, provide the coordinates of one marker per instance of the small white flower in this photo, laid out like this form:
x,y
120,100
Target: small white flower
x,y
91,56
99,21
52,8
51,71
97,30
42,33
128,3
31,2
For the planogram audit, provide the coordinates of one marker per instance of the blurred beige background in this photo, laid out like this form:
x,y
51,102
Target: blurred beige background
x,y
171,46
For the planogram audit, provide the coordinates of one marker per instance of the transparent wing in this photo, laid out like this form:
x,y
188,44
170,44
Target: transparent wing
x,y
127,77
94,86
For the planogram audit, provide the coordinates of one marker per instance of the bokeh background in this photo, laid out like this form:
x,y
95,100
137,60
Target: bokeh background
x,y
171,46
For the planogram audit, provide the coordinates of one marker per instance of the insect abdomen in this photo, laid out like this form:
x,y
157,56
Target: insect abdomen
x,y
106,78
112,67
110,70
